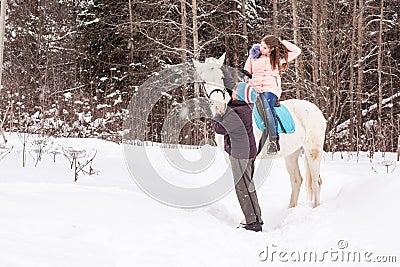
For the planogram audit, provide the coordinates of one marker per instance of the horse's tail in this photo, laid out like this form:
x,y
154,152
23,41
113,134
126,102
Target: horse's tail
x,y
310,192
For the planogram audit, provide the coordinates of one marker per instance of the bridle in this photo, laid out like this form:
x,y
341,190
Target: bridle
x,y
223,91
217,90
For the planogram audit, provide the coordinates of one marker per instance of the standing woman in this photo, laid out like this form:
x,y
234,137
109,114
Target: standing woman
x,y
237,127
266,63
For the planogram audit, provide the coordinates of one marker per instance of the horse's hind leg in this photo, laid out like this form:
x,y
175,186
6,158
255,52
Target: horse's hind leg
x,y
292,167
313,158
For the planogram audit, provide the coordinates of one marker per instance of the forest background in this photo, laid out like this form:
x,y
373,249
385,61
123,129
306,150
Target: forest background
x,y
71,67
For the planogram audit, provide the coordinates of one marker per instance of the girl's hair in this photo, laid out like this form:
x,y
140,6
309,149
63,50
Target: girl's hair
x,y
279,51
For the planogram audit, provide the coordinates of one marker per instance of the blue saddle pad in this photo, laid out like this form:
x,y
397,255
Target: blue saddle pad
x,y
283,114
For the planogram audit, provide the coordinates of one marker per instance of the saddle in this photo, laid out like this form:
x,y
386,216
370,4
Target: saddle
x,y
285,120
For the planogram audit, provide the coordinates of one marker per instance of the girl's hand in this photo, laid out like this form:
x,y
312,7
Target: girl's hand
x,y
234,95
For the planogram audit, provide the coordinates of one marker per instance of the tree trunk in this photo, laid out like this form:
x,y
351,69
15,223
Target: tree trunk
x,y
351,78
275,18
398,149
226,44
323,59
360,72
196,52
2,32
131,30
183,31
315,45
379,69
235,32
245,33
296,39
184,90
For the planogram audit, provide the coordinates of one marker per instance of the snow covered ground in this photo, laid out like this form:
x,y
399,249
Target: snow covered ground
x,y
47,219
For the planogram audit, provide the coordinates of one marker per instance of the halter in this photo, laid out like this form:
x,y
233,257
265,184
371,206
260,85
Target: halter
x,y
216,90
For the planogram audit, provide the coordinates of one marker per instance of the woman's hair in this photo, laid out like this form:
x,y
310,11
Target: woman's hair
x,y
279,51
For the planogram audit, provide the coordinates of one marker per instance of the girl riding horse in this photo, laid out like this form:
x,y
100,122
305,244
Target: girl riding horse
x,y
266,63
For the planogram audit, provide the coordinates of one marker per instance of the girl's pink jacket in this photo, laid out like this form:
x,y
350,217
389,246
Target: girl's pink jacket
x,y
264,78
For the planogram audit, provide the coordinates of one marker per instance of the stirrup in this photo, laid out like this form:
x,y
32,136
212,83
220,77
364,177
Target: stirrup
x,y
273,147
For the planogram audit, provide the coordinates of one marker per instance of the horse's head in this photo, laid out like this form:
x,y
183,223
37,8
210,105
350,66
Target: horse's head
x,y
211,74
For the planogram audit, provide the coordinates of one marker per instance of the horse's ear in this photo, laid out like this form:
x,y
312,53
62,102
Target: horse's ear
x,y
196,63
221,59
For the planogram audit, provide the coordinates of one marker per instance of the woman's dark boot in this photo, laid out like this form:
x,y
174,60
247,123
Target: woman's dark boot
x,y
255,226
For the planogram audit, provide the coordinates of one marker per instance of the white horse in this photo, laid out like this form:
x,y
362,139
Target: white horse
x,y
309,135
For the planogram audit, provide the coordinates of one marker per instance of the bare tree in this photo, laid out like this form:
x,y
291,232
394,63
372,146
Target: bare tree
x,y
315,45
323,49
235,33
183,31
245,33
351,75
360,66
379,70
275,29
297,38
196,51
2,27
131,28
